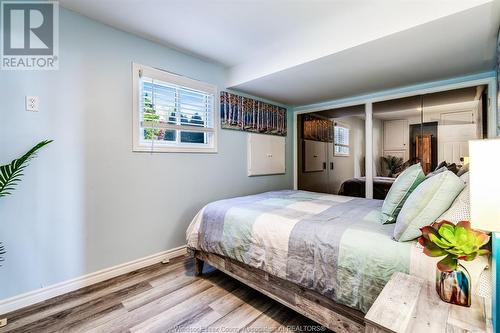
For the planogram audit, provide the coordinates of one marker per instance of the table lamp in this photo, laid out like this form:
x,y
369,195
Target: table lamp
x,y
484,180
485,184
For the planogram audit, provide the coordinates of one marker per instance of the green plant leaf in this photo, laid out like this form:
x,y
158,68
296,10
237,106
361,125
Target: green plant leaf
x,y
448,233
459,242
469,257
438,225
482,252
481,238
432,250
428,230
464,224
461,235
456,251
448,263
442,243
10,174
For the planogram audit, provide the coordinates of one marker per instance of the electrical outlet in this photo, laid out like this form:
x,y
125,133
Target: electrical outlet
x,y
32,103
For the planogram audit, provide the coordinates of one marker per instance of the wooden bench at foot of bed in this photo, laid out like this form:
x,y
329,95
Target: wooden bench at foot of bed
x,y
337,317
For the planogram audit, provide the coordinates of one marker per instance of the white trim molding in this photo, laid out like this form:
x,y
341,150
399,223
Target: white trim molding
x,y
39,295
142,145
369,150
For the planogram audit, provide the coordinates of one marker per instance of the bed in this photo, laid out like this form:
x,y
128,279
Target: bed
x,y
355,187
325,256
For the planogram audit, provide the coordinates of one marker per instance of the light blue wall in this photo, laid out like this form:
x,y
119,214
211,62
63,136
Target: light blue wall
x,y
87,202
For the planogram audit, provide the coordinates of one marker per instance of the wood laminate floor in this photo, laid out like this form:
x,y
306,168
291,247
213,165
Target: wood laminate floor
x,y
162,298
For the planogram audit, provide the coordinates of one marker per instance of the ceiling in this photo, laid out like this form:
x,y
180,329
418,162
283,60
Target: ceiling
x,y
305,51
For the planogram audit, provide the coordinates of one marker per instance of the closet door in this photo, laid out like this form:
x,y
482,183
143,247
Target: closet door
x,y
396,138
333,186
314,174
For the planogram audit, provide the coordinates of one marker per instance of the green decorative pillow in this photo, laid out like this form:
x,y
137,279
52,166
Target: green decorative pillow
x,y
407,181
424,205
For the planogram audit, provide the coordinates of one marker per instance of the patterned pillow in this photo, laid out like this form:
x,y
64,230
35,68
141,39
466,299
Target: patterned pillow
x,y
463,169
460,208
465,177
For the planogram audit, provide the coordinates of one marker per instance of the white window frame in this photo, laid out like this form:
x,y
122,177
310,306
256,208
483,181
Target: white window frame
x,y
340,124
139,70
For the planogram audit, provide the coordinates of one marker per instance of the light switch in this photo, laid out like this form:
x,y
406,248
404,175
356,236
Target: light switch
x,y
32,103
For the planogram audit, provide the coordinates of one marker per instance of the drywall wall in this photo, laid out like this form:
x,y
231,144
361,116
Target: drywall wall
x,y
88,202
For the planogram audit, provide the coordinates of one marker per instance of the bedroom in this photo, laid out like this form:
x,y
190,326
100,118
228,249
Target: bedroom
x,y
152,120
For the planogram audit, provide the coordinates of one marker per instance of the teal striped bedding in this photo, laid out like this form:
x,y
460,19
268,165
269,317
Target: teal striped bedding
x,y
332,244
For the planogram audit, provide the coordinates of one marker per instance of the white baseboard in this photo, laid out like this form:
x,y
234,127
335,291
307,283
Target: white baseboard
x,y
39,295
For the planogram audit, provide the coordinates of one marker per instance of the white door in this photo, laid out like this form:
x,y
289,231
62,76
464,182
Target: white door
x,y
455,129
396,140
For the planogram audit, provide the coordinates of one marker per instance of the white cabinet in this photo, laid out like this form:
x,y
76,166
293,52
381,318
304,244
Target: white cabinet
x,y
265,154
396,138
314,155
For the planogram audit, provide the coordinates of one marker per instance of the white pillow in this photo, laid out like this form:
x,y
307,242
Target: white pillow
x,y
460,208
428,201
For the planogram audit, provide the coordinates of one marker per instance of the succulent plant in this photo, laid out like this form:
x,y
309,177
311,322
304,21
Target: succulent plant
x,y
456,242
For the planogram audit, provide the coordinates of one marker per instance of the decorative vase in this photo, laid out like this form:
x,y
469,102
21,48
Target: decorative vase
x,y
454,287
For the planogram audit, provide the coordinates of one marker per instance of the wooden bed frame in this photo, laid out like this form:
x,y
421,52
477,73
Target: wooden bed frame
x,y
339,318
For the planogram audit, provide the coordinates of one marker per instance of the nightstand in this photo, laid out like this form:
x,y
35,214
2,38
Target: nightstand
x,y
411,304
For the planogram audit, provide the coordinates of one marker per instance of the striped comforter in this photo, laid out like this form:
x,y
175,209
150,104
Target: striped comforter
x,y
332,244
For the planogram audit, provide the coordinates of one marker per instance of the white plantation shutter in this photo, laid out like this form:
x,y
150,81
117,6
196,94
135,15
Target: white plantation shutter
x,y
341,139
174,113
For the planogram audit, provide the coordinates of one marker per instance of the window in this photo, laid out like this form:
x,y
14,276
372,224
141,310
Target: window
x,y
173,113
341,140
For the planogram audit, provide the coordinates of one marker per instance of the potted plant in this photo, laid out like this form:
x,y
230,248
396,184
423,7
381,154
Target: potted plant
x,y
10,176
455,242
393,165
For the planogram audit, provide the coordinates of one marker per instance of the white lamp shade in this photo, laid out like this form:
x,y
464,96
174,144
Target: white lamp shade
x,y
484,178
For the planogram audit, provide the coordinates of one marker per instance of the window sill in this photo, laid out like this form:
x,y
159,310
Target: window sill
x,y
147,149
